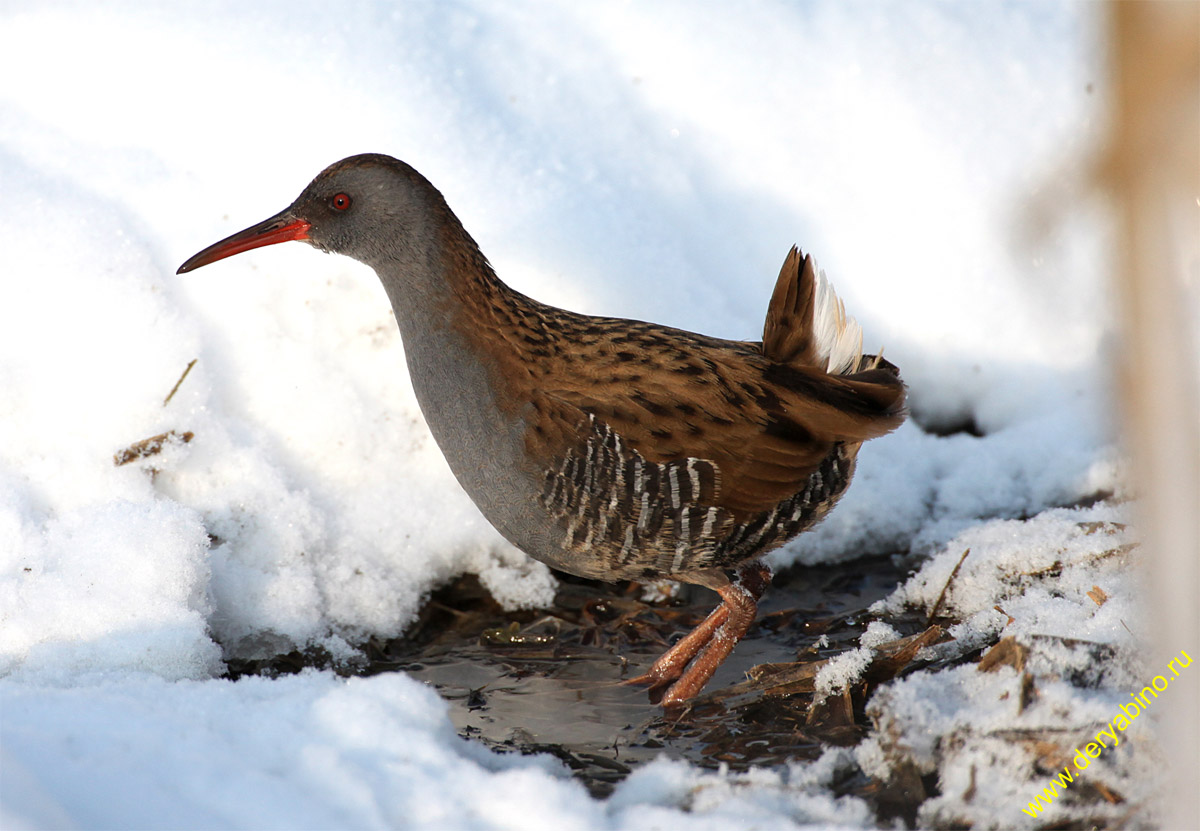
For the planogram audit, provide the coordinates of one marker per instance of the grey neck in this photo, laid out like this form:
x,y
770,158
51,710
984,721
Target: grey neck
x,y
455,385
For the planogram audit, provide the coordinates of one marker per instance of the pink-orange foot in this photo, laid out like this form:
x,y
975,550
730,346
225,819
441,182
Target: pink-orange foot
x,y
686,667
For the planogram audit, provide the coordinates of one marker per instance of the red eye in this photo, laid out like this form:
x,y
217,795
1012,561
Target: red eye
x,y
340,202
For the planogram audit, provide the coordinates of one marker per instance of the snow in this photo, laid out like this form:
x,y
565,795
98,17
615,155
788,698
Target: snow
x,y
844,669
646,161
1028,581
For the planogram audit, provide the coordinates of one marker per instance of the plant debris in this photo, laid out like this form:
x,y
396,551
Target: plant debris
x,y
178,383
151,447
1098,595
937,606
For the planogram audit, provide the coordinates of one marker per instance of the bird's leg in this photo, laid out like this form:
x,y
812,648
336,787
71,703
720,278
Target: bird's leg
x,y
672,662
741,599
711,642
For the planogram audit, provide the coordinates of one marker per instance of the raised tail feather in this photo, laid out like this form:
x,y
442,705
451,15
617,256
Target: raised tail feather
x,y
818,348
807,322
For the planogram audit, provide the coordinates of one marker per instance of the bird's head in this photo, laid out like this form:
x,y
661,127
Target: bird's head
x,y
370,207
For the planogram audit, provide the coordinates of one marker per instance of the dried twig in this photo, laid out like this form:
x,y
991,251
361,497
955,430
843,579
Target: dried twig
x,y
938,605
1028,692
783,679
1108,793
175,388
150,447
1008,652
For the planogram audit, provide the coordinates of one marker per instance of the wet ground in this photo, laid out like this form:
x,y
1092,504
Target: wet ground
x,y
551,681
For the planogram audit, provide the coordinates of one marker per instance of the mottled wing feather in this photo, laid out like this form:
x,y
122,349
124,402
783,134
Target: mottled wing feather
x,y
767,427
639,517
629,517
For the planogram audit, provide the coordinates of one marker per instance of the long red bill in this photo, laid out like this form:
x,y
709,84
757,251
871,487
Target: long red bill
x,y
280,228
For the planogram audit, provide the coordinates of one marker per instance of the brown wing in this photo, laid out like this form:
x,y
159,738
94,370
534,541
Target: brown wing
x,y
765,427
765,424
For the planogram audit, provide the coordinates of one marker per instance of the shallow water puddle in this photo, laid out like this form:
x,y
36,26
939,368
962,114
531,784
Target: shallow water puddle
x,y
550,681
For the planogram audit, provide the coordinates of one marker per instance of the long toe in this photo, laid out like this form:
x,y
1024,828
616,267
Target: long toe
x,y
701,670
671,664
739,605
